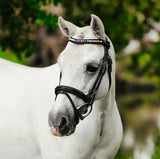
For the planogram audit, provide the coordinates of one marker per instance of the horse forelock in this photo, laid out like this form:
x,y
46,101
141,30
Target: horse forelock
x,y
84,33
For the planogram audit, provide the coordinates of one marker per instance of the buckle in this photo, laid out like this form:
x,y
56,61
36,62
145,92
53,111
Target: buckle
x,y
84,110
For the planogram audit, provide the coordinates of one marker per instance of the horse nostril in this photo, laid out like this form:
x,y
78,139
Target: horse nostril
x,y
63,123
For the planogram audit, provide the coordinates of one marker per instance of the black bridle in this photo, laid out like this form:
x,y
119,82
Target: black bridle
x,y
82,111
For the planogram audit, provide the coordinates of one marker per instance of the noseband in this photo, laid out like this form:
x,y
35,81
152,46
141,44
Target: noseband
x,y
85,109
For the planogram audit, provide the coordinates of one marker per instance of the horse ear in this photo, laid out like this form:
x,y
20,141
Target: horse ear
x,y
97,27
67,28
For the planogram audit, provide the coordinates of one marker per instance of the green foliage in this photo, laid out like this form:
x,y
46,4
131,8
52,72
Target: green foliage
x,y
56,2
147,62
157,147
9,55
17,20
124,20
124,155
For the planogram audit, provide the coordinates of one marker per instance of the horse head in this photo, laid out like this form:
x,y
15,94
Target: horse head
x,y
85,74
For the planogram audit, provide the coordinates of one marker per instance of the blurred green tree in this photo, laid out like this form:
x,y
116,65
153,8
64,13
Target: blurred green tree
x,y
17,20
124,20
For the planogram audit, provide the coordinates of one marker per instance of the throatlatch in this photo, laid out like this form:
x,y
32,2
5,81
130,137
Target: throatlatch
x,y
82,111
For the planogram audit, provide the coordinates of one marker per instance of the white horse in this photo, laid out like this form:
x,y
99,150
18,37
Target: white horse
x,y
27,98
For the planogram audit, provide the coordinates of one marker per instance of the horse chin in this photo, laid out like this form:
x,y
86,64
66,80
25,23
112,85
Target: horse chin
x,y
61,134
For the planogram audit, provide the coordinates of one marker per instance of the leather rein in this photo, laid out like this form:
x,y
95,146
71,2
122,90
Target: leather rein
x,y
85,109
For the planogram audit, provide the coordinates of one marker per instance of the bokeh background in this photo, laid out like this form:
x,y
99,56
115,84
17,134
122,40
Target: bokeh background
x,y
29,35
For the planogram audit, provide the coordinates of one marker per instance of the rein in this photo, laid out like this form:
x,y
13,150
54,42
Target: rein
x,y
85,109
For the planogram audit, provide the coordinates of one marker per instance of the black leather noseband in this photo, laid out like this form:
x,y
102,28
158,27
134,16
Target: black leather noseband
x,y
82,111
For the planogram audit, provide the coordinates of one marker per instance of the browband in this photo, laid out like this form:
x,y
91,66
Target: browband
x,y
90,41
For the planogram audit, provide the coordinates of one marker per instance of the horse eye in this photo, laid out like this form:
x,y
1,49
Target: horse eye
x,y
92,68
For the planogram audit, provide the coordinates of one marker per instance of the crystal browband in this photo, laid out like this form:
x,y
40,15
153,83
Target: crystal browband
x,y
90,41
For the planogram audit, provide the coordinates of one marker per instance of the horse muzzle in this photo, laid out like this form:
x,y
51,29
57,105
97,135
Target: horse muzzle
x,y
61,125
61,134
